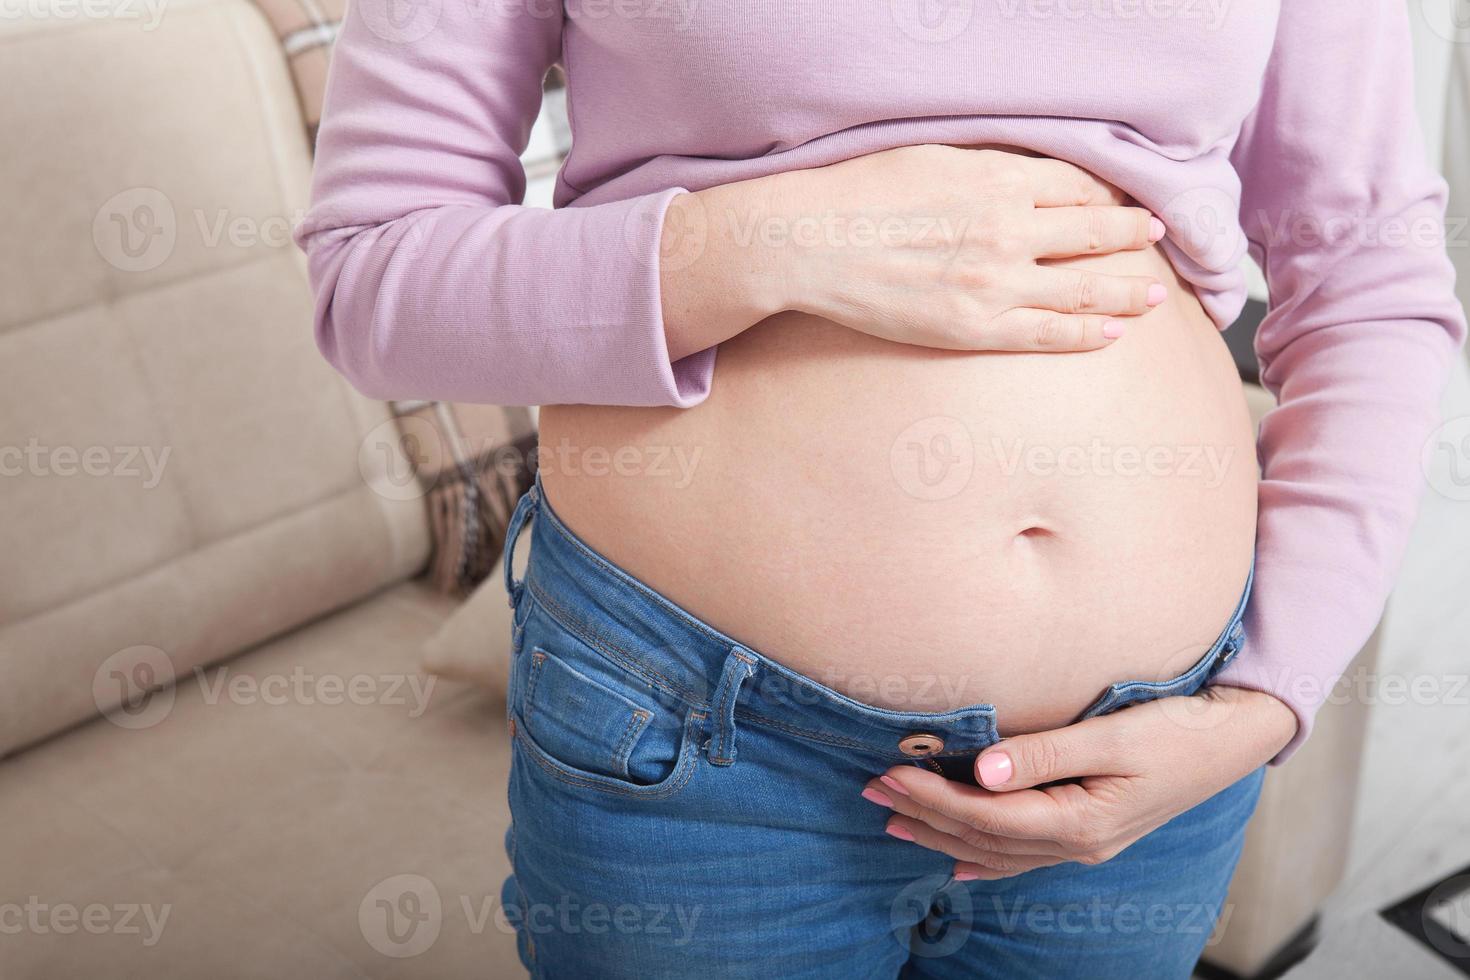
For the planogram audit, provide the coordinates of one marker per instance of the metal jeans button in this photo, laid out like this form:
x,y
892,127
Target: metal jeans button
x,y
920,745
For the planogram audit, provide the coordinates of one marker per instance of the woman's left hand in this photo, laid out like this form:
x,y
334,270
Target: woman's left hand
x,y
1127,774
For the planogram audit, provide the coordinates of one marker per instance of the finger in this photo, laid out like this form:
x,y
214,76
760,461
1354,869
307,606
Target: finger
x,y
1065,232
926,836
1058,184
1031,815
1026,329
1066,815
1095,747
979,840
1069,290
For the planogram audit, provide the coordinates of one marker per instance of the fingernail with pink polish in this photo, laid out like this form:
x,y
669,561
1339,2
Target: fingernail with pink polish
x,y
873,796
1156,229
1113,329
1156,294
893,784
966,876
897,830
994,769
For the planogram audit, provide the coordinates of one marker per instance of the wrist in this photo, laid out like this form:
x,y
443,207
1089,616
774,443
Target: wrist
x,y
718,275
1271,720
750,225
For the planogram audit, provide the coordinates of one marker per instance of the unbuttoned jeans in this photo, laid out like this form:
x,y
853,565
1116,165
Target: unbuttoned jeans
x,y
683,806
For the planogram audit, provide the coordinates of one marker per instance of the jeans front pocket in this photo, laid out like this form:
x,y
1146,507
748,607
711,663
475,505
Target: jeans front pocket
x,y
581,719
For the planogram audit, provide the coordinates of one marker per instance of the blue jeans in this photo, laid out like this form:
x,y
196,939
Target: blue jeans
x,y
683,806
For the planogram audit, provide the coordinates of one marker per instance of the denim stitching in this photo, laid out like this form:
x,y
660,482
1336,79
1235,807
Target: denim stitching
x,y
841,702
520,891
759,719
722,736
572,624
555,524
793,730
594,637
1163,687
720,728
566,774
538,660
556,612
624,747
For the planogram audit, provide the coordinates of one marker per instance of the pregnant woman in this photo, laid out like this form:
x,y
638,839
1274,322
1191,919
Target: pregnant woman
x,y
890,451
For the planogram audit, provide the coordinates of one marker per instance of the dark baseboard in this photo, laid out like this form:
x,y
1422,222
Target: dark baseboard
x,y
1414,915
1241,337
1289,955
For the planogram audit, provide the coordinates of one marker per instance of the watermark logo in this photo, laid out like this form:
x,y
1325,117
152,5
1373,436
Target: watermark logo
x,y
674,464
1450,19
1208,464
934,458
681,232
143,463
1211,14
394,454
1449,907
932,21
678,13
301,686
1205,222
1100,917
1446,459
401,916
933,915
134,688
401,21
135,230
41,918
149,13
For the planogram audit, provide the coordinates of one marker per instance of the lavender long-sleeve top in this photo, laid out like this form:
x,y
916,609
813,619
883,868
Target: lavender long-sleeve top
x,y
1283,128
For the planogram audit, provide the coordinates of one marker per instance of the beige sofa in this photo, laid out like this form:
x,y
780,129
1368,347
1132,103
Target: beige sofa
x,y
193,496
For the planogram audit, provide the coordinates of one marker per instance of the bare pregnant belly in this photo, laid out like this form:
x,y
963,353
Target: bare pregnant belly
x,y
923,529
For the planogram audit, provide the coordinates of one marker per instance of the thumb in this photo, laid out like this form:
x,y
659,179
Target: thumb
x,y
1024,761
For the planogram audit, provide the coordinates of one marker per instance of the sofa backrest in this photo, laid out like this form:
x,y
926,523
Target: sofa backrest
x,y
181,474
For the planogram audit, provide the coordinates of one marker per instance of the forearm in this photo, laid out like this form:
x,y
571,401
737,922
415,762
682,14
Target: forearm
x,y
1345,215
1341,484
718,273
1265,723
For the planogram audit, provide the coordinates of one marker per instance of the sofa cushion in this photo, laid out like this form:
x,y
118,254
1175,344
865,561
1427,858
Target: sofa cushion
x,y
471,645
182,471
261,811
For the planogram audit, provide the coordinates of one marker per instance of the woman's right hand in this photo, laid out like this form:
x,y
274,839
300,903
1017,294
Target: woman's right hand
x,y
932,245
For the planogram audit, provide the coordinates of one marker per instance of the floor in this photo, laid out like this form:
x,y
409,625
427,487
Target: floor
x,y
1413,819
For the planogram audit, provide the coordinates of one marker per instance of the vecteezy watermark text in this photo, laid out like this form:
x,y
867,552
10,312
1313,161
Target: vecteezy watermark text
x,y
1098,458
41,918
127,462
402,916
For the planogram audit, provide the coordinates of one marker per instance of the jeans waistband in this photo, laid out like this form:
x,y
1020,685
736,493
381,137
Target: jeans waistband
x,y
683,658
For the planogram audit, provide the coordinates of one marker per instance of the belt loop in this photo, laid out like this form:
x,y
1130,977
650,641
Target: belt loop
x,y
739,666
523,512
